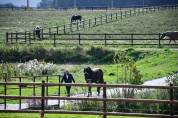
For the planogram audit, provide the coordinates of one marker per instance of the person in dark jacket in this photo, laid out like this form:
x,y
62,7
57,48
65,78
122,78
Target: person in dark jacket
x,y
67,78
37,31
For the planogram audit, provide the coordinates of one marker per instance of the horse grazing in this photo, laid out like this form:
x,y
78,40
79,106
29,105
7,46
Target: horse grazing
x,y
172,35
93,76
75,18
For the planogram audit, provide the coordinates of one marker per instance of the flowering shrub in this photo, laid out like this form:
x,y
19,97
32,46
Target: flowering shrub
x,y
33,67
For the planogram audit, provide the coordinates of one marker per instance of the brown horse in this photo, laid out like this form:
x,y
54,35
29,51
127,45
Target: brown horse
x,y
173,35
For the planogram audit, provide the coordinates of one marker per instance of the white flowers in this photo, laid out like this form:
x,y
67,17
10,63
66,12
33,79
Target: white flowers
x,y
33,67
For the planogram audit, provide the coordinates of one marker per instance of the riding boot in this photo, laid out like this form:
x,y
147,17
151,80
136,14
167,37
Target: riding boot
x,y
98,91
89,94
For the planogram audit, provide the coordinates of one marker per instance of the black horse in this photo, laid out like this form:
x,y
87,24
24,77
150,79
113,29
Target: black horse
x,y
76,18
93,76
172,35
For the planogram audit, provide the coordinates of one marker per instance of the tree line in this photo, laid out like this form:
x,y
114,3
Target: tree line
x,y
103,3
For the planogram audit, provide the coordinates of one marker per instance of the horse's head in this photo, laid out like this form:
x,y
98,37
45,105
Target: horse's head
x,y
163,35
88,74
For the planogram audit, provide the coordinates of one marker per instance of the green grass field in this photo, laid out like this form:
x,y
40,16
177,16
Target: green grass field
x,y
154,22
21,21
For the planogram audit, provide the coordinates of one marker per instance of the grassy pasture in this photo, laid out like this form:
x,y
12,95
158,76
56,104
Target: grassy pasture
x,y
26,20
154,22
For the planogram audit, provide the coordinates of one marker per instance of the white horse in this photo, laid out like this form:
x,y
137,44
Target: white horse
x,y
173,36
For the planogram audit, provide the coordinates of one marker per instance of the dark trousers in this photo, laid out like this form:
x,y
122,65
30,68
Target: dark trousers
x,y
68,90
38,33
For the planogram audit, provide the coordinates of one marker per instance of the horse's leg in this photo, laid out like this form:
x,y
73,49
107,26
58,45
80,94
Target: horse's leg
x,y
98,91
170,41
89,91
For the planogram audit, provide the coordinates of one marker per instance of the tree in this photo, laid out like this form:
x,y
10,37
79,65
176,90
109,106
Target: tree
x,y
128,68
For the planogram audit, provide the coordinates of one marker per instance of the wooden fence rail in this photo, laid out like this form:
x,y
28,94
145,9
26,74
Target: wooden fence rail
x,y
104,99
84,39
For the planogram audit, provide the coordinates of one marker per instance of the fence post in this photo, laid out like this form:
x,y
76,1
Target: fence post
x,y
95,21
42,36
132,39
125,13
11,38
101,20
130,12
106,18
34,79
29,38
20,92
171,99
121,14
25,36
77,25
5,90
159,39
47,89
59,90
34,37
64,29
111,16
104,101
42,99
57,28
116,16
83,23
79,39
89,23
16,37
7,37
105,39
54,40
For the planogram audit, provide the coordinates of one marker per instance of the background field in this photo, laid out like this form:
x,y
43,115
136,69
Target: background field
x,y
155,22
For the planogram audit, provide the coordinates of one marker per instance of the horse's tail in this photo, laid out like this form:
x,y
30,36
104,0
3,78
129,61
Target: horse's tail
x,y
101,76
